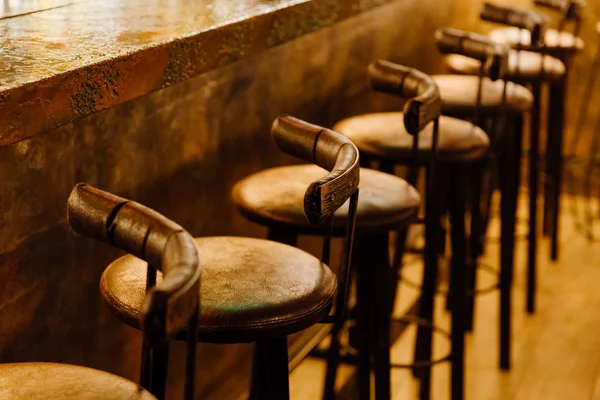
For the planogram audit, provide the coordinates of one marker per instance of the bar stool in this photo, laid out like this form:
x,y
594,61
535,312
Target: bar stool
x,y
550,73
571,13
252,290
382,138
563,45
488,96
167,306
535,25
164,310
531,69
272,198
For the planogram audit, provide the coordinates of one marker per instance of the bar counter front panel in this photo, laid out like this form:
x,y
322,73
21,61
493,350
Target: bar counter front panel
x,y
178,150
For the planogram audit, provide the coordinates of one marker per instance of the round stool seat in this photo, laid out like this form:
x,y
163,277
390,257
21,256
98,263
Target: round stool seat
x,y
522,65
554,40
50,381
383,135
252,289
459,95
275,197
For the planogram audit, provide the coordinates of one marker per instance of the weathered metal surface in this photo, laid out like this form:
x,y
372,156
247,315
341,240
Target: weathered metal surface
x,y
63,60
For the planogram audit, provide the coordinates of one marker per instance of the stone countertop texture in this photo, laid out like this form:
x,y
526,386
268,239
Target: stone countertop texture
x,y
65,59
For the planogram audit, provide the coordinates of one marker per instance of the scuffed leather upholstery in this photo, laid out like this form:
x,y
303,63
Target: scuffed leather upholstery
x,y
383,135
274,198
50,381
521,64
251,289
459,95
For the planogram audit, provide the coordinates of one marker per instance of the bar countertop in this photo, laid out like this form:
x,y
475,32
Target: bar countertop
x,y
66,59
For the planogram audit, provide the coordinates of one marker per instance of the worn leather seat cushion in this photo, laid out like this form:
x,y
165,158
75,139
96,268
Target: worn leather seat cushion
x,y
383,135
276,197
553,39
251,289
50,381
522,64
459,95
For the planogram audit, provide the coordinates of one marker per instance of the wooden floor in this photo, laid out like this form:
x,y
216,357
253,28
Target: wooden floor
x,y
556,352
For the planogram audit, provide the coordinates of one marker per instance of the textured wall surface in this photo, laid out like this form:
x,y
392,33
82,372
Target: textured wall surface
x,y
179,150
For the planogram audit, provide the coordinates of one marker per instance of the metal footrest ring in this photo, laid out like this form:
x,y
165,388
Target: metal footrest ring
x,y
410,319
444,292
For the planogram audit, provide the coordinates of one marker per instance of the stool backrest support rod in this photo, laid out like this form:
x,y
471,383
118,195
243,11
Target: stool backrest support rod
x,y
337,154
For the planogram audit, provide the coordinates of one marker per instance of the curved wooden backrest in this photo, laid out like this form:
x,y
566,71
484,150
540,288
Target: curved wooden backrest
x,y
150,236
571,9
553,4
329,150
493,56
423,104
530,20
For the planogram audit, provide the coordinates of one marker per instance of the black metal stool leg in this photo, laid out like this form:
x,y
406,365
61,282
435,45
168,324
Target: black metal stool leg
x,y
400,245
270,374
190,362
481,189
255,383
146,367
258,384
549,158
333,353
147,355
509,169
382,315
534,149
459,288
558,167
433,232
333,361
476,238
399,249
160,361
490,182
553,157
364,315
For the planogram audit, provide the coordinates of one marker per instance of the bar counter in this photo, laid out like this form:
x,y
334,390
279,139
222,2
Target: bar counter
x,y
169,106
64,60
